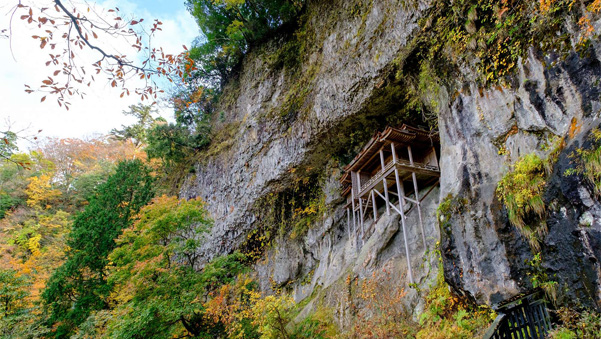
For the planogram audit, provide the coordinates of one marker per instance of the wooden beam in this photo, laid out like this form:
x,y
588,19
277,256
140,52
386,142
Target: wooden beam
x,y
419,208
412,200
401,205
391,205
384,182
361,218
374,207
348,223
432,186
354,217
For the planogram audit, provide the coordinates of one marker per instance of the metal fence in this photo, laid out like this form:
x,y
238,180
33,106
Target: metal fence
x,y
523,318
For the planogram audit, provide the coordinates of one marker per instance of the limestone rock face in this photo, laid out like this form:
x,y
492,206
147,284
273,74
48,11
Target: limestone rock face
x,y
345,94
482,133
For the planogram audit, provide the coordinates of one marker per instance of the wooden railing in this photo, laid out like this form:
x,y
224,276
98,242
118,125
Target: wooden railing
x,y
383,172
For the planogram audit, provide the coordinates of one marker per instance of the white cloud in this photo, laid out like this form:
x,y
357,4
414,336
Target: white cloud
x,y
101,108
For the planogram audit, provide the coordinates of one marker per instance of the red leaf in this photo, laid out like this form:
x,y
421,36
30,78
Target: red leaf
x,y
44,98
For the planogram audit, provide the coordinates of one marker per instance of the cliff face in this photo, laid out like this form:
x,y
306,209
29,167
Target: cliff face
x,y
482,132
286,124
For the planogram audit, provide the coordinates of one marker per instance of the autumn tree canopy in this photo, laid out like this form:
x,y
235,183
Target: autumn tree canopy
x,y
79,286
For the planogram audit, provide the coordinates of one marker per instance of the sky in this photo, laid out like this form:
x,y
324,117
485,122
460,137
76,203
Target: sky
x,y
101,109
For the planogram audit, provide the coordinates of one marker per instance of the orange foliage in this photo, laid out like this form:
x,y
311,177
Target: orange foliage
x,y
545,5
381,313
74,157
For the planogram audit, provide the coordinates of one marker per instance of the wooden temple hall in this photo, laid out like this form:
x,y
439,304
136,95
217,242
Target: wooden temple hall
x,y
388,172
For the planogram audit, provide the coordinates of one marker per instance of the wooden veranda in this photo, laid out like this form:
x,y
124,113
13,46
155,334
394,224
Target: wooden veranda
x,y
389,170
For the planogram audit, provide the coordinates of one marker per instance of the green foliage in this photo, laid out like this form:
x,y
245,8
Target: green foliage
x,y
137,132
8,145
230,28
574,324
521,191
318,325
588,162
491,34
291,211
80,286
173,143
14,179
449,316
15,311
540,279
12,293
143,309
157,292
85,185
8,202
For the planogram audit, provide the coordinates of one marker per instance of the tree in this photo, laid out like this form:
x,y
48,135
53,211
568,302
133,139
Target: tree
x,y
13,307
159,292
81,165
8,144
231,27
156,257
136,132
66,28
80,286
40,192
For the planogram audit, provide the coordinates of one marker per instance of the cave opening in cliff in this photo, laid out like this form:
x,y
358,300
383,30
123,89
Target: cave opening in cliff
x,y
388,171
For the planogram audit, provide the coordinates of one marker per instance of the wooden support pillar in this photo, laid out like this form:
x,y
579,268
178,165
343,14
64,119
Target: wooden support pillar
x,y
361,215
375,208
385,183
402,210
348,223
354,215
435,157
419,207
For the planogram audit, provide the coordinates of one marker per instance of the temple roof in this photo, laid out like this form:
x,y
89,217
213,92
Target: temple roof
x,y
407,135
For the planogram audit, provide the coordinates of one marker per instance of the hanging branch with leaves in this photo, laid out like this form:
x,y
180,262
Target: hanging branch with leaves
x,y
67,29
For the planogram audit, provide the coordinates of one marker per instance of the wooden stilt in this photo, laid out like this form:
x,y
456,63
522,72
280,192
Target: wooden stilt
x,y
354,216
375,208
348,223
361,214
402,210
385,183
415,188
361,217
